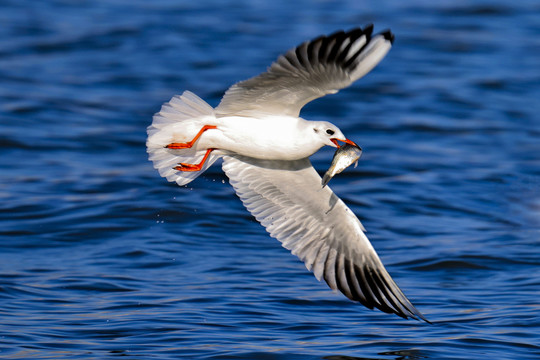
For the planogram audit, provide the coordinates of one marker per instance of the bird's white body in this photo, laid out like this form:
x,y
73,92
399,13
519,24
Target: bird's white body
x,y
254,137
265,147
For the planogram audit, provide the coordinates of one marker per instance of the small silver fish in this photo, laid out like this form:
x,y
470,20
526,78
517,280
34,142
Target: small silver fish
x,y
343,158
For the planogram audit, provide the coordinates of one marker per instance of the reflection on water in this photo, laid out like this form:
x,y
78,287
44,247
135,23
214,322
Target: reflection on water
x,y
395,355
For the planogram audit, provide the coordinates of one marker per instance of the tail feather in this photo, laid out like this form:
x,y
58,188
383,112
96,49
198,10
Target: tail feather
x,y
183,114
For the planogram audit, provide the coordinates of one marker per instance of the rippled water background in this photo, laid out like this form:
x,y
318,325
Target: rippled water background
x,y
100,257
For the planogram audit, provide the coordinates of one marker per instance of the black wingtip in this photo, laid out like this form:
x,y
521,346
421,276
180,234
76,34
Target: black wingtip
x,y
416,315
388,36
368,30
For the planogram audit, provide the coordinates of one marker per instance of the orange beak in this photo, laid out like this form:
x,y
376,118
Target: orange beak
x,y
347,141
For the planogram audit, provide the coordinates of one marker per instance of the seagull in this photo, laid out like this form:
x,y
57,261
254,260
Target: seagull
x,y
265,147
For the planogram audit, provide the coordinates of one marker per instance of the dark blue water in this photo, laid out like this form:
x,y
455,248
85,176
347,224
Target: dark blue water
x,y
100,257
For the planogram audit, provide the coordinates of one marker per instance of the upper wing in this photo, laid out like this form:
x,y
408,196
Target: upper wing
x,y
311,70
286,197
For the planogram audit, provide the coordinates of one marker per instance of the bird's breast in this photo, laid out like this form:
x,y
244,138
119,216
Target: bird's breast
x,y
270,138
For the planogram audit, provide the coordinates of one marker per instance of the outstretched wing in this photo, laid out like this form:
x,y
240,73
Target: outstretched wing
x,y
287,198
311,70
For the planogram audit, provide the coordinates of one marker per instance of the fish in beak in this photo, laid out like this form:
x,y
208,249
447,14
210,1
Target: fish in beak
x,y
344,157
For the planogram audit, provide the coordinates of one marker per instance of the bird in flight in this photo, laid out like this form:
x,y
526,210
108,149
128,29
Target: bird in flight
x,y
265,147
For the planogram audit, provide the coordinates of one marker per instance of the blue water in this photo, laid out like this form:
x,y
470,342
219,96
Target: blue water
x,y
100,257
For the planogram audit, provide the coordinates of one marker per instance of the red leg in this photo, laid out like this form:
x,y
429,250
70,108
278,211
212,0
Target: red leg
x,y
193,167
189,144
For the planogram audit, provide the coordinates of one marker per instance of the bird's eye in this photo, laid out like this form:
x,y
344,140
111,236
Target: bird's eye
x,y
330,131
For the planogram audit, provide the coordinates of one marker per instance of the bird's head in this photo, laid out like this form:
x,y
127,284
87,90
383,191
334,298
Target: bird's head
x,y
330,134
